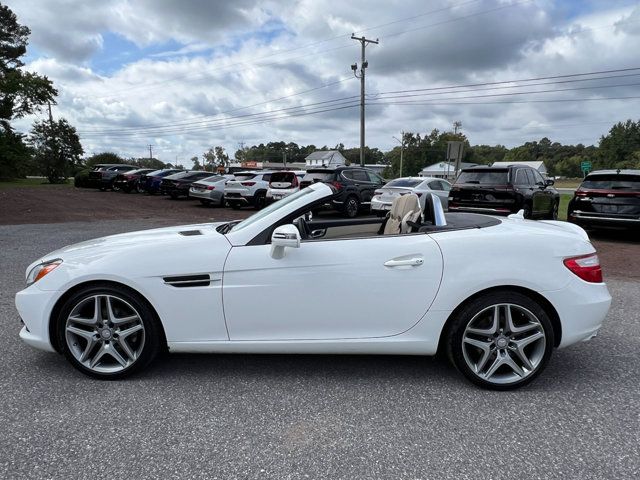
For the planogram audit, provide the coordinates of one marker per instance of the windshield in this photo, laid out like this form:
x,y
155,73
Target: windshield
x,y
271,208
484,177
404,182
175,176
612,182
213,179
318,177
244,176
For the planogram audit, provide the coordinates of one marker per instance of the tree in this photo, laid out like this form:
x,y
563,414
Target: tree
x,y
196,163
618,149
221,157
21,93
15,156
209,159
103,157
57,149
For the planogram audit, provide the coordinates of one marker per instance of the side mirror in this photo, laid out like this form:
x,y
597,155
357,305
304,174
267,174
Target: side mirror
x,y
284,236
549,182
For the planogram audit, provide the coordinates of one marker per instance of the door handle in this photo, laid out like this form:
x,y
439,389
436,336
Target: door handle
x,y
412,262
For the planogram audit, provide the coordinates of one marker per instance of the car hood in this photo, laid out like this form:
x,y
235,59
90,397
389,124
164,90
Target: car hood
x,y
148,241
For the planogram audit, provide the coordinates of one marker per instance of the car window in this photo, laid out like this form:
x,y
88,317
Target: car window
x,y
404,182
283,177
521,177
360,175
266,177
244,176
312,177
446,186
537,178
348,174
493,176
435,185
375,178
612,182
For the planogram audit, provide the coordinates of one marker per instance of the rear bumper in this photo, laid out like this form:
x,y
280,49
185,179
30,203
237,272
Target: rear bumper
x,y
582,308
213,195
380,205
600,219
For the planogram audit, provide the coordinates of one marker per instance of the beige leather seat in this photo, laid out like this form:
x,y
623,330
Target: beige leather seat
x,y
405,208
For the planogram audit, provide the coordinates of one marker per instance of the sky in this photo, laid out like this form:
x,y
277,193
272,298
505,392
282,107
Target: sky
x,y
188,75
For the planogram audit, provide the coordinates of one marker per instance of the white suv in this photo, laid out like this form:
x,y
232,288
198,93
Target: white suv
x,y
284,183
248,188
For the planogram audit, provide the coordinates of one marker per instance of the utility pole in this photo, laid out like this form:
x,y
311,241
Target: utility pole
x,y
284,158
456,125
50,115
150,152
401,149
363,66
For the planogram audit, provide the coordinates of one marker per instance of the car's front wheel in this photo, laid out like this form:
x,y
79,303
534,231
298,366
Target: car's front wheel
x,y
351,207
501,341
108,332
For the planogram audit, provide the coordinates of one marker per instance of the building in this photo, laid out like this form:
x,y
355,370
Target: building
x,y
445,170
538,165
325,158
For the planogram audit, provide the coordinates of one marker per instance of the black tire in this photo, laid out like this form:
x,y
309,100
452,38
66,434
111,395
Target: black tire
x,y
351,207
260,200
139,188
527,211
554,211
468,314
153,337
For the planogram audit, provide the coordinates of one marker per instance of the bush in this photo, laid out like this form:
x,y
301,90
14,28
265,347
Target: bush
x,y
81,179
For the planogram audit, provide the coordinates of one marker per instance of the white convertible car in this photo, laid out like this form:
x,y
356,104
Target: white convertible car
x,y
496,295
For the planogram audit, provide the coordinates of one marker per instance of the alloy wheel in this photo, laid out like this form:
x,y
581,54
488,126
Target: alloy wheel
x,y
104,333
504,343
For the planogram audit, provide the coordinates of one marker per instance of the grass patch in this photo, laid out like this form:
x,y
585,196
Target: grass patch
x,y
568,183
30,182
564,203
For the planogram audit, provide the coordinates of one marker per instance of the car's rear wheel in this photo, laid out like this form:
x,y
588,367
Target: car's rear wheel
x,y
108,332
501,341
351,207
260,200
554,211
139,188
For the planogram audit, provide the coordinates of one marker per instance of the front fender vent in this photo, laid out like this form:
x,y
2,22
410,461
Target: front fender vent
x,y
190,233
182,281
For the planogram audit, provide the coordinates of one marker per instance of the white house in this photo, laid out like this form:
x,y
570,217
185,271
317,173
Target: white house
x,y
538,165
326,158
445,170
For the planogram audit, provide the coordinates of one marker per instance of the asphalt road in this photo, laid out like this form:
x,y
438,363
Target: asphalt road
x,y
251,416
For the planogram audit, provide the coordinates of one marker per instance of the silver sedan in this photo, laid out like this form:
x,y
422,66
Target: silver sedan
x,y
210,190
383,197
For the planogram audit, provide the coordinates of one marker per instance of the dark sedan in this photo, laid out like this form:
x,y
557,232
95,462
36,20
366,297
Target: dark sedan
x,y
151,181
504,190
607,198
128,181
178,185
103,175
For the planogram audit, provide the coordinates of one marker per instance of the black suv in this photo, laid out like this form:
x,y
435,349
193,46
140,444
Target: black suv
x,y
103,175
179,184
607,198
504,190
354,187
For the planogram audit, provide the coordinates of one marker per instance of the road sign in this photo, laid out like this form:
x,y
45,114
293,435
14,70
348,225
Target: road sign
x,y
585,166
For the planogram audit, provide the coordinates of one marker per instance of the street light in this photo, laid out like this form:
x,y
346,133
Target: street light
x,y
401,142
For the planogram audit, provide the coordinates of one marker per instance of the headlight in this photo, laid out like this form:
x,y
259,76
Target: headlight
x,y
41,270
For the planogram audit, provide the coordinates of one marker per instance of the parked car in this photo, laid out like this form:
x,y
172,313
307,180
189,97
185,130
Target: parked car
x,y
248,189
504,190
128,181
484,290
284,183
607,198
150,182
103,175
210,190
354,186
384,197
178,185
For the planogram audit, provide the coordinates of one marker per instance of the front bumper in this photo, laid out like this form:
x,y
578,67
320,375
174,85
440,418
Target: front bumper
x,y
34,307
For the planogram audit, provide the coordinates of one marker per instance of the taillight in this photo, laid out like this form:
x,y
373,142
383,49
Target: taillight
x,y
581,194
337,184
248,184
211,187
587,267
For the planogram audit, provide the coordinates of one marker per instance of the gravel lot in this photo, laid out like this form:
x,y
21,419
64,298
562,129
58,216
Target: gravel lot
x,y
252,416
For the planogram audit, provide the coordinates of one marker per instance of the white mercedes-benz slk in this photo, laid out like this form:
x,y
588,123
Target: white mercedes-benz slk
x,y
495,295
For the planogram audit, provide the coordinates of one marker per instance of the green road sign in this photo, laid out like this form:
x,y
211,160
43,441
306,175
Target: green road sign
x,y
585,166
